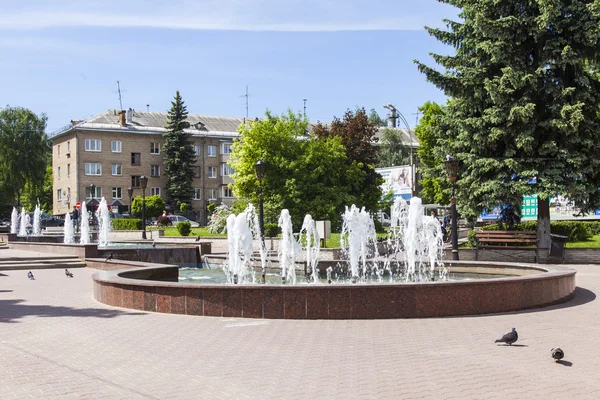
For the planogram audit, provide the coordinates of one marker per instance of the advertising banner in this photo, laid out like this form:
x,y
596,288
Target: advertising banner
x,y
397,179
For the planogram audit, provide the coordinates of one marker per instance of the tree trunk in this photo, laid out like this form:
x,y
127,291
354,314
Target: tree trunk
x,y
543,226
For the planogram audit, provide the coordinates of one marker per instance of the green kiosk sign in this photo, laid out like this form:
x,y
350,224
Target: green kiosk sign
x,y
529,208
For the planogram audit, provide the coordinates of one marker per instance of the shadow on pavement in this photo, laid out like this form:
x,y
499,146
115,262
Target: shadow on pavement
x,y
5,291
12,310
564,363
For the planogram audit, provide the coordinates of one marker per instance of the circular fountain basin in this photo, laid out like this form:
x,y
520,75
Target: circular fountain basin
x,y
156,288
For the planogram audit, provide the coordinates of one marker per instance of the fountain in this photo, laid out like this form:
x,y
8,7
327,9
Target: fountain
x,y
103,223
358,241
14,221
312,243
238,268
85,225
288,249
24,222
37,223
69,234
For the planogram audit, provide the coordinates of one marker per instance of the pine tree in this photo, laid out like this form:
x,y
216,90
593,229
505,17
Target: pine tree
x,y
179,154
524,92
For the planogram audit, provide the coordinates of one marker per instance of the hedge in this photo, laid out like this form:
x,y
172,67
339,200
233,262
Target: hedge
x,y
126,224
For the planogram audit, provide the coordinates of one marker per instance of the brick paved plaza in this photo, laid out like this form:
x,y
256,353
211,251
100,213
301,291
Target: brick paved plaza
x,y
57,342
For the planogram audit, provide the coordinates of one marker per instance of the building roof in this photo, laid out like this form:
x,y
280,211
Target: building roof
x,y
408,136
154,122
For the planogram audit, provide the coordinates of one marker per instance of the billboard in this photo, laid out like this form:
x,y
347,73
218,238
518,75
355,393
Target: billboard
x,y
398,179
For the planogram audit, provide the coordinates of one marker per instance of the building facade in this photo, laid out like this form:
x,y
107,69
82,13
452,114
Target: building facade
x,y
112,150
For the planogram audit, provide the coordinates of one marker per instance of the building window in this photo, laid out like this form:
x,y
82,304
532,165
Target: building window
x,y
59,195
117,169
212,194
68,147
116,192
155,191
97,194
196,194
155,170
136,158
227,192
196,150
154,148
196,171
116,146
58,173
93,145
68,170
212,172
93,169
212,150
135,181
226,148
58,149
226,169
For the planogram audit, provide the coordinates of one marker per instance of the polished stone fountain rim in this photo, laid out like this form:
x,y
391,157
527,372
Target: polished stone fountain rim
x,y
548,284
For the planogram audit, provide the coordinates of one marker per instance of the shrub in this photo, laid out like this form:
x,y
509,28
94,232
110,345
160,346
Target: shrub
x,y
163,221
272,230
184,208
126,224
218,220
184,228
154,206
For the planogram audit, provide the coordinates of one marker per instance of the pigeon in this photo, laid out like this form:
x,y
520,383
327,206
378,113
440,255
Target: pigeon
x,y
110,256
509,337
198,238
30,275
68,273
153,244
557,353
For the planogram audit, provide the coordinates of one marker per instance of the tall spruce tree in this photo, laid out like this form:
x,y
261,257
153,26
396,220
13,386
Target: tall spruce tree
x,y
523,114
179,154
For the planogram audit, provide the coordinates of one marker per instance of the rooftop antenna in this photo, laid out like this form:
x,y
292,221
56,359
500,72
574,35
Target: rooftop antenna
x,y
304,107
148,107
247,101
119,91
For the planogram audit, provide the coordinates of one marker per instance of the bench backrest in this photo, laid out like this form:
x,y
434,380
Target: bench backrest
x,y
513,236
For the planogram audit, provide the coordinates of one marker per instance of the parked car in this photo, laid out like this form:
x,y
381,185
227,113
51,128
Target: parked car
x,y
47,220
176,219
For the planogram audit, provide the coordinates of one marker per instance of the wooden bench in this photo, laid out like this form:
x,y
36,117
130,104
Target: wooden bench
x,y
506,240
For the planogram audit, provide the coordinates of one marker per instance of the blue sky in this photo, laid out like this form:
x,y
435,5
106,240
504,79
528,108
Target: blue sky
x,y
64,57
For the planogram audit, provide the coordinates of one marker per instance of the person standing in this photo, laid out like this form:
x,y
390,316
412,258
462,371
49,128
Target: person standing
x,y
75,219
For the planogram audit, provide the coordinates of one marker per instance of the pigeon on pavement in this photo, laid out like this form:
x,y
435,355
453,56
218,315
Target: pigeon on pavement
x,y
153,244
509,337
557,353
30,275
68,273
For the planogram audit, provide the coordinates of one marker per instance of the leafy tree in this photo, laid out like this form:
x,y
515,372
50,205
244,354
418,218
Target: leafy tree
x,y
357,135
155,206
23,153
525,97
32,195
179,154
392,150
375,118
308,176
434,183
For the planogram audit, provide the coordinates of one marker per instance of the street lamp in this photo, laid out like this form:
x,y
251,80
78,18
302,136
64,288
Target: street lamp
x,y
144,183
451,164
92,192
260,173
130,193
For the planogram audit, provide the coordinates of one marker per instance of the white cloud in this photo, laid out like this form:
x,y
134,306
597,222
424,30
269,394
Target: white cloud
x,y
240,15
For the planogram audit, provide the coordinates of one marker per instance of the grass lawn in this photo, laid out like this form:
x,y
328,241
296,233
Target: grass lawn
x,y
594,242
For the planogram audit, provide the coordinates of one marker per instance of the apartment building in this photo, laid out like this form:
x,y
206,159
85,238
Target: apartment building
x,y
113,149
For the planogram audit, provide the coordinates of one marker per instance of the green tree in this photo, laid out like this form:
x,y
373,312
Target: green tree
x,y
155,206
375,118
357,135
32,195
523,118
23,153
392,150
307,176
179,154
434,183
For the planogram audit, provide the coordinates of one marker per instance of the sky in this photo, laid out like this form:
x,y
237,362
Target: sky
x,y
64,57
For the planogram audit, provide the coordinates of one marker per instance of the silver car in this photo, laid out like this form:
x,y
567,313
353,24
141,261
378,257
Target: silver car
x,y
176,219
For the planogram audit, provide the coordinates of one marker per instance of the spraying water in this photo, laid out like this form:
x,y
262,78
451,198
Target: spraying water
x,y
288,248
68,231
254,223
358,240
24,223
14,221
238,267
37,223
85,225
103,224
311,236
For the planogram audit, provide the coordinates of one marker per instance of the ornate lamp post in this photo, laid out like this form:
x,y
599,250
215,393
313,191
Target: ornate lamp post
x,y
144,184
260,173
451,164
130,193
92,192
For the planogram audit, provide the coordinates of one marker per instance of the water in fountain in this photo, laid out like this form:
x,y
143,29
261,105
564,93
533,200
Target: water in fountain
x,y
288,248
254,223
14,221
358,241
37,223
24,223
312,242
68,231
85,225
238,267
103,224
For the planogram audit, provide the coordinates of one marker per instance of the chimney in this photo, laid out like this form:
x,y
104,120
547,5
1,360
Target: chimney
x,y
129,116
122,118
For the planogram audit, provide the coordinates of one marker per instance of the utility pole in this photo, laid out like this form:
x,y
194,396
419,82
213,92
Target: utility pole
x,y
247,101
304,107
119,91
